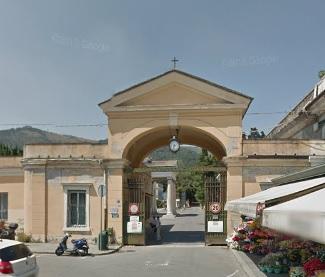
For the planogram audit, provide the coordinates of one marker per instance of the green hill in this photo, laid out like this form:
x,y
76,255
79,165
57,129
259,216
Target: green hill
x,y
187,155
17,137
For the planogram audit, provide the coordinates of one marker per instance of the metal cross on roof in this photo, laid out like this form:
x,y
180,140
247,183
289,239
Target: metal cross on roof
x,y
174,61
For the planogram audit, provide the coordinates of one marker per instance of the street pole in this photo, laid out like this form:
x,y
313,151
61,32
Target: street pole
x,y
101,217
101,193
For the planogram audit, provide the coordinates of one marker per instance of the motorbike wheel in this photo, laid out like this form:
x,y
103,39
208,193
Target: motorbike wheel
x,y
84,252
59,251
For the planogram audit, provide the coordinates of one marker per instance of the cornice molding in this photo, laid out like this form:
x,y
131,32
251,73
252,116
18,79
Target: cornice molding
x,y
31,163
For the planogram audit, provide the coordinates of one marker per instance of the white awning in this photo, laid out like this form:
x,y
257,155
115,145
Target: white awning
x,y
303,216
247,205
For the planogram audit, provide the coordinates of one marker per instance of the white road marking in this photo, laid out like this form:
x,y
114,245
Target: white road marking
x,y
149,263
233,274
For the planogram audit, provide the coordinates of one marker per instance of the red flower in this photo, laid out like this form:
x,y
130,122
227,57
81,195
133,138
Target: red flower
x,y
312,265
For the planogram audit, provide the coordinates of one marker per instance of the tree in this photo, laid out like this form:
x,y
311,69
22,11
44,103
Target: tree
x,y
255,134
192,182
6,150
321,74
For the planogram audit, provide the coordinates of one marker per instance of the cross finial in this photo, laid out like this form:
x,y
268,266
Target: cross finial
x,y
174,61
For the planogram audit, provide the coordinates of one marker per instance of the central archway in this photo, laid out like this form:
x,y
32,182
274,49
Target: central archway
x,y
145,143
138,187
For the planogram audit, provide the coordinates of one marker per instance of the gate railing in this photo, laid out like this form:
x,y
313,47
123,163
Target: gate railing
x,y
134,193
215,215
134,221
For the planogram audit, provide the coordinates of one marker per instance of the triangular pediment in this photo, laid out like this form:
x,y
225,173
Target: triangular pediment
x,y
174,94
175,89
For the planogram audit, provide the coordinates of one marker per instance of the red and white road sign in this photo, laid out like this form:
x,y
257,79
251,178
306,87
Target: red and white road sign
x,y
134,208
215,207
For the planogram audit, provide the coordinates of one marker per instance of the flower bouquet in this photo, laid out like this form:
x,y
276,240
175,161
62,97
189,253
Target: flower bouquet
x,y
313,265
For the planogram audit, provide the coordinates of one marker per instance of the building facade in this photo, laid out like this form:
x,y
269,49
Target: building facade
x,y
58,188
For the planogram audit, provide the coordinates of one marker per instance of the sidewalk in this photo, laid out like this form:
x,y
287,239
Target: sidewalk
x,y
249,263
49,248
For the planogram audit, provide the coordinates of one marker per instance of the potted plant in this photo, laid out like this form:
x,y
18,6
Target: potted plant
x,y
277,268
262,265
272,262
268,262
297,271
110,233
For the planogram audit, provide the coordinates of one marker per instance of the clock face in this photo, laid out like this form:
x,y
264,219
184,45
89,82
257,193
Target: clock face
x,y
174,145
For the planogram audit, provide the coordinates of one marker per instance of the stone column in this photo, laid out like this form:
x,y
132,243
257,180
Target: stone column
x,y
35,199
154,197
115,171
235,187
171,201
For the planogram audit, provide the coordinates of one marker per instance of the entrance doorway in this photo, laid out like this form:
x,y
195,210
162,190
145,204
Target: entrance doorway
x,y
188,199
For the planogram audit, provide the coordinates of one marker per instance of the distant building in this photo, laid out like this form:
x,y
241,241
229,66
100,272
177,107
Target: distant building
x,y
306,120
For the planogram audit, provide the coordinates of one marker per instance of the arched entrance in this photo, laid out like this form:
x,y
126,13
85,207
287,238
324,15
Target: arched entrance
x,y
146,116
140,146
138,185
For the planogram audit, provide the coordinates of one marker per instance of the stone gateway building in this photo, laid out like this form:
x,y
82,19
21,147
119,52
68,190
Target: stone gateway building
x,y
55,187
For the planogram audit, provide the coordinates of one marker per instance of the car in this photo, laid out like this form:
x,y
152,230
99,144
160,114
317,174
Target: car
x,y
17,260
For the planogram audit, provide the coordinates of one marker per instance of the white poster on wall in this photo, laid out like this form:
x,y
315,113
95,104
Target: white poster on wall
x,y
134,227
134,218
215,226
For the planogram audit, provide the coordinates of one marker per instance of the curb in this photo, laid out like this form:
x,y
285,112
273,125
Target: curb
x,y
89,254
247,265
108,253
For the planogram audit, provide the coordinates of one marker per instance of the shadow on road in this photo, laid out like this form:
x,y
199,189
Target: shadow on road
x,y
182,237
185,215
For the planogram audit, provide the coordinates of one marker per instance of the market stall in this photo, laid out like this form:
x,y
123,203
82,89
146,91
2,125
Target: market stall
x,y
251,204
285,227
303,216
276,252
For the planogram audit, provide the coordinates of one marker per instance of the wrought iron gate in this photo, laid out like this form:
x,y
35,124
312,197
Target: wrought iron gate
x,y
215,200
134,221
134,193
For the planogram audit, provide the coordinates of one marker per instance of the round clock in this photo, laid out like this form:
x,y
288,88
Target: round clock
x,y
174,145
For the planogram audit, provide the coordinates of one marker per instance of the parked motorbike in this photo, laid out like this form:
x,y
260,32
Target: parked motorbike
x,y
80,247
9,232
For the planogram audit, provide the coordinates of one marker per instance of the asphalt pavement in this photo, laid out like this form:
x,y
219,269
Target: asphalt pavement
x,y
180,253
148,261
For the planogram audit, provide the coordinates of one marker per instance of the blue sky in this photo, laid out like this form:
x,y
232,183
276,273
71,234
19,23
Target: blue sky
x,y
59,59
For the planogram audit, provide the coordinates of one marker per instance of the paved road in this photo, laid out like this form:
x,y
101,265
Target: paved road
x,y
187,227
181,253
147,261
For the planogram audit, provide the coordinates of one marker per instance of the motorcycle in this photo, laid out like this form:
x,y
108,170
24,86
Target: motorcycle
x,y
80,247
10,232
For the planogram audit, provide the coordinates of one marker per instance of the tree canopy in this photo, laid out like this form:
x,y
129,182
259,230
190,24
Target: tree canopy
x,y
192,182
6,150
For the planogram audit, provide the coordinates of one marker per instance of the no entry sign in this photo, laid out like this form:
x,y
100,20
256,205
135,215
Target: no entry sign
x,y
215,207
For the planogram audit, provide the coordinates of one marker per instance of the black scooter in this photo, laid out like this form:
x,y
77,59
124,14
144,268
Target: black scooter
x,y
80,247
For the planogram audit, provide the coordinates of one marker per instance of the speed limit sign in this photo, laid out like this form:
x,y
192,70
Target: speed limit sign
x,y
215,207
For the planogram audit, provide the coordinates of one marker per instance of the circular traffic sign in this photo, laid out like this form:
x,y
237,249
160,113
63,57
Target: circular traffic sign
x,y
134,208
215,207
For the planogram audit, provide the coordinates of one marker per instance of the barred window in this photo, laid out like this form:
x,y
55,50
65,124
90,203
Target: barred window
x,y
76,208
